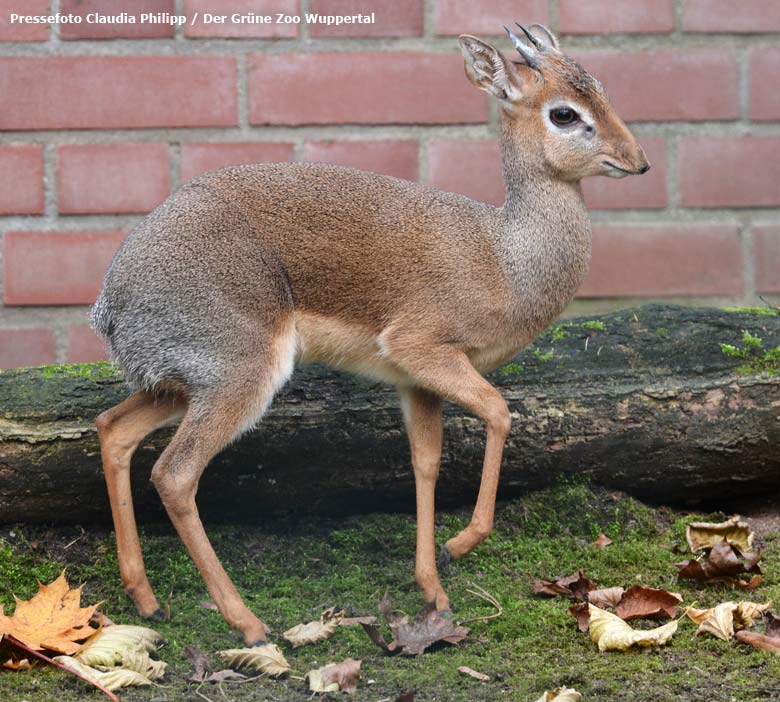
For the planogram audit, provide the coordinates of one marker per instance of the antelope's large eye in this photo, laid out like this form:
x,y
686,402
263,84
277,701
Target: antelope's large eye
x,y
563,116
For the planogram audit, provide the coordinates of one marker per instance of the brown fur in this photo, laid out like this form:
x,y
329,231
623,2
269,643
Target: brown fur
x,y
246,270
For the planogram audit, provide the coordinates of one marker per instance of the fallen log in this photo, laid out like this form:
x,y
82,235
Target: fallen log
x,y
644,400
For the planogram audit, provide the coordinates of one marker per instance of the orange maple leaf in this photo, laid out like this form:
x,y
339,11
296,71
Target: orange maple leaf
x,y
53,619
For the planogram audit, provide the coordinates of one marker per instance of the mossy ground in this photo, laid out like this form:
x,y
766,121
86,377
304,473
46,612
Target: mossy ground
x,y
289,571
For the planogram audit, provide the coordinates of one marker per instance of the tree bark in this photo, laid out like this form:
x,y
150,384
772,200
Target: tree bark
x,y
640,400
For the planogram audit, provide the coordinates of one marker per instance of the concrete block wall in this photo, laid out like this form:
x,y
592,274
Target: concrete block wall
x,y
99,123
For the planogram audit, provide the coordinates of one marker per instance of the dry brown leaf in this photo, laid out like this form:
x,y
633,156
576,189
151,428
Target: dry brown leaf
x,y
266,659
316,631
352,621
473,673
603,541
53,619
406,696
607,597
765,643
575,587
647,602
751,584
723,561
580,611
335,677
704,535
412,638
611,633
561,694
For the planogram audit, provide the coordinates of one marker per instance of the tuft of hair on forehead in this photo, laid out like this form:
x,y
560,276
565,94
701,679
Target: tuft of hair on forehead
x,y
575,75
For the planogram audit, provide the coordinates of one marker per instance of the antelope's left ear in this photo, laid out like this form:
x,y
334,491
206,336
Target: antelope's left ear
x,y
488,70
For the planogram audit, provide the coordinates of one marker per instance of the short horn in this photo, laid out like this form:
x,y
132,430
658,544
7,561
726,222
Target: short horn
x,y
528,54
537,44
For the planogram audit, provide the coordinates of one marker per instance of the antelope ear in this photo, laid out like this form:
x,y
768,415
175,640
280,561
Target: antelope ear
x,y
544,35
488,70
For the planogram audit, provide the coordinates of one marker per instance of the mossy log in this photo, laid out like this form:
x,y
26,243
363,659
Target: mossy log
x,y
646,400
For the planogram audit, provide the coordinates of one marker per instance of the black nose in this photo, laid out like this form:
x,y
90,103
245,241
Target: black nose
x,y
645,168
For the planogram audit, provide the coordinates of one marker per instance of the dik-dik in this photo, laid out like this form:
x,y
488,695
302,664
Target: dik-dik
x,y
248,270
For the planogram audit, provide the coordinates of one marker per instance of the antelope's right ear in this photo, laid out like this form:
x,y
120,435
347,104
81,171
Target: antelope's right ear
x,y
487,69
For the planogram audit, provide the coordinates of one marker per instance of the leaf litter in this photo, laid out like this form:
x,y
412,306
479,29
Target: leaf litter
x,y
412,638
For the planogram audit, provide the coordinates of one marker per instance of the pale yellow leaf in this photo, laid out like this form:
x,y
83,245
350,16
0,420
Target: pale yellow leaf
x,y
611,633
111,680
719,621
109,647
704,535
266,659
748,612
561,694
697,616
313,632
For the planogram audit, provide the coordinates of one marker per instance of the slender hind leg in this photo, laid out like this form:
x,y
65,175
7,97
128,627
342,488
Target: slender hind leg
x,y
214,418
422,415
120,430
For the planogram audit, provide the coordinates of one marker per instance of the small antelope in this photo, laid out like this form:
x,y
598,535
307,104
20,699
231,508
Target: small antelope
x,y
245,271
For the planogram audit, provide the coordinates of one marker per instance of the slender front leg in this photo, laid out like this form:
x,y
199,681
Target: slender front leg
x,y
448,372
422,415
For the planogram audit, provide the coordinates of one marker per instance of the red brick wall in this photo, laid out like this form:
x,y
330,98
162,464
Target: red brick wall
x,y
100,123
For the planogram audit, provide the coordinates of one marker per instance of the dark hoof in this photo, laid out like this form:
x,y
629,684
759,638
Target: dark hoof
x,y
444,557
445,614
158,615
259,642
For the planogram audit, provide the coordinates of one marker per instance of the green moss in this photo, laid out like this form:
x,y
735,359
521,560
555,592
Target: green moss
x,y
510,369
599,326
543,356
559,332
662,332
91,371
290,570
767,311
757,359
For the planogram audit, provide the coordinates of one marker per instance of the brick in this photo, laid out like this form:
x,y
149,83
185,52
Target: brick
x,y
115,30
401,18
453,17
766,258
470,167
199,158
724,16
26,347
111,178
230,29
662,261
395,158
82,92
730,171
362,88
609,17
645,191
23,32
684,84
21,172
84,346
56,268
764,95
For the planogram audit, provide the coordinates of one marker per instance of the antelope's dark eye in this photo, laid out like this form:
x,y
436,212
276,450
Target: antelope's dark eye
x,y
563,116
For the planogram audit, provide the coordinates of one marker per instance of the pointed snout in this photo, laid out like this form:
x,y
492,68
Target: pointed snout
x,y
627,157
